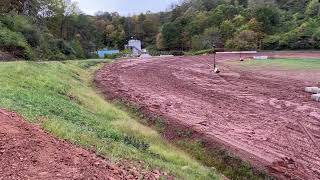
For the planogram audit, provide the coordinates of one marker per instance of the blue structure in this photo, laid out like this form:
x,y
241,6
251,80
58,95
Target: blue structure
x,y
101,53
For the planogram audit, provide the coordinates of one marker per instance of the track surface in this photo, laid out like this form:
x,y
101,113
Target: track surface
x,y
265,119
26,152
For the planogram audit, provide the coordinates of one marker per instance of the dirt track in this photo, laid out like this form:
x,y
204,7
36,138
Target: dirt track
x,y
26,152
265,119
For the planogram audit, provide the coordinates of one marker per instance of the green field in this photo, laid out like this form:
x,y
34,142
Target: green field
x,y
60,97
284,64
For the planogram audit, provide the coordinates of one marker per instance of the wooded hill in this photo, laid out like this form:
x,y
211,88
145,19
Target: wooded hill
x,y
57,30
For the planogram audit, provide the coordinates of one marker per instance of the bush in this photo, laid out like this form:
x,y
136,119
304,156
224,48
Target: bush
x,y
316,38
111,56
158,53
56,56
23,25
15,43
201,52
65,47
313,8
245,40
271,42
177,53
306,36
205,41
79,52
58,49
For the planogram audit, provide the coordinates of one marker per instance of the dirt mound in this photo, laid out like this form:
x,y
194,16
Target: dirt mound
x,y
26,152
266,120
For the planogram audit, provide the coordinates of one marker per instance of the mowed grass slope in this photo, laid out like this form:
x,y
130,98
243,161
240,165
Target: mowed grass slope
x,y
59,96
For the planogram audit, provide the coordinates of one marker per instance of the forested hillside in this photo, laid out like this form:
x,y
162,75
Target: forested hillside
x,y
56,29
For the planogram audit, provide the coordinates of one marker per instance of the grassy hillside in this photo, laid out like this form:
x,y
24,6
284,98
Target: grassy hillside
x,y
59,96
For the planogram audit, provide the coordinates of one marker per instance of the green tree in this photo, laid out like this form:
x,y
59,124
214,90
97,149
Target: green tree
x,y
227,29
313,8
171,36
245,40
269,17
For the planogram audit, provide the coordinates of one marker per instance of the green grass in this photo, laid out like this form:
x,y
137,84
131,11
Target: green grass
x,y
201,52
284,64
59,96
210,155
224,162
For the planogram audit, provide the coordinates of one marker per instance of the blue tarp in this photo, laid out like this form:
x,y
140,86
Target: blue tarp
x,y
101,53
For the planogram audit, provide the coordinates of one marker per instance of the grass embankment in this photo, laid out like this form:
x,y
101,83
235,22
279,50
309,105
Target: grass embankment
x,y
283,64
207,153
59,96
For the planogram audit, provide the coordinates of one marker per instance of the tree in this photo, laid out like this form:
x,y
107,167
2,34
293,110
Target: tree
x,y
313,8
269,17
226,30
207,39
170,36
245,40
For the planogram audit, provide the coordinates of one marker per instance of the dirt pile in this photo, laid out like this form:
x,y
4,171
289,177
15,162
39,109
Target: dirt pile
x,y
265,119
26,152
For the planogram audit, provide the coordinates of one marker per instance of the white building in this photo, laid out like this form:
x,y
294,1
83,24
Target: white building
x,y
135,46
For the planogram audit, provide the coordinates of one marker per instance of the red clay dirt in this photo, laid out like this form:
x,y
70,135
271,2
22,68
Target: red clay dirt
x,y
264,119
27,152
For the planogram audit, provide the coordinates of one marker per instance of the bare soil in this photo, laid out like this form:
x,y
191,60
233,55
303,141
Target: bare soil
x,y
27,152
266,119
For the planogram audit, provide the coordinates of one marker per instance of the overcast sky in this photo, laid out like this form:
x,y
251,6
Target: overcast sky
x,y
124,7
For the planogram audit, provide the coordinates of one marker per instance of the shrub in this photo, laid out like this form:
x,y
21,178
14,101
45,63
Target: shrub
x,y
271,42
110,56
158,53
58,49
65,47
316,37
23,25
15,43
198,42
177,53
303,37
201,52
79,52
56,56
313,8
245,40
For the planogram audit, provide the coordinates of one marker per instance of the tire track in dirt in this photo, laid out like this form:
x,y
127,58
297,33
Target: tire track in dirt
x,y
266,120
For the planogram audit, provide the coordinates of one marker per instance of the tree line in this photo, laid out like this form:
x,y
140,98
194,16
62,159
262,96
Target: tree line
x,y
57,29
242,25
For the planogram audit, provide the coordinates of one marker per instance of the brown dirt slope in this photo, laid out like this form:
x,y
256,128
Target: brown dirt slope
x,y
265,119
27,152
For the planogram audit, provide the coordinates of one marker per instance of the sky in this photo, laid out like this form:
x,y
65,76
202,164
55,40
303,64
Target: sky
x,y
123,7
